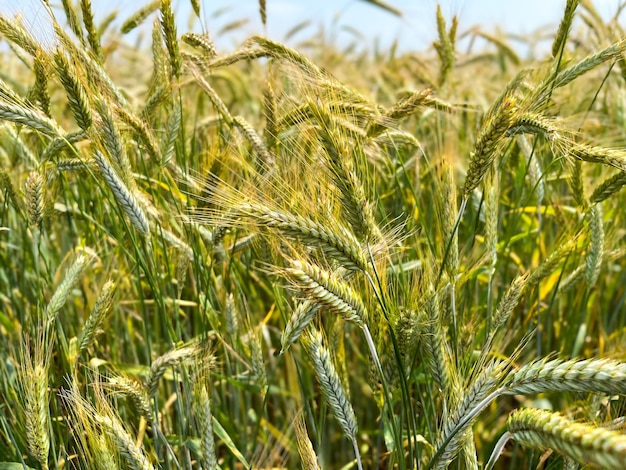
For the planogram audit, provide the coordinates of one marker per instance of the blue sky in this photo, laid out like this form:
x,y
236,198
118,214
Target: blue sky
x,y
415,30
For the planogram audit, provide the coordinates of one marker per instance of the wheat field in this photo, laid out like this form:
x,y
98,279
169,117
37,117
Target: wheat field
x,y
317,256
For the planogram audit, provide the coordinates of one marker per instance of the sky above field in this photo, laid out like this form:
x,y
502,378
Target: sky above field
x,y
344,21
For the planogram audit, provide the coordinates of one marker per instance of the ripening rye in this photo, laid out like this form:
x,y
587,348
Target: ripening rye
x,y
310,251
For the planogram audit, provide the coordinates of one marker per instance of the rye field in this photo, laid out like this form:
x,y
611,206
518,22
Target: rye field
x,y
312,255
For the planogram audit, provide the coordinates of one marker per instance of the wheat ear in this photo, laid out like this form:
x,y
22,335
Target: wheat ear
x,y
34,194
497,123
40,88
139,16
168,26
135,390
435,346
608,187
329,291
32,118
93,38
33,380
6,185
63,291
162,363
337,243
582,442
201,42
132,453
123,195
331,387
300,318
483,390
593,260
308,458
204,419
564,27
591,375
94,322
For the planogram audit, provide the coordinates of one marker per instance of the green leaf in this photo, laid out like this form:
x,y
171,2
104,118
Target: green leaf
x,y
225,438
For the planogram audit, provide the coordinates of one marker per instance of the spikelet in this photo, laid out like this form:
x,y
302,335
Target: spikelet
x,y
591,375
257,360
608,187
134,455
133,389
161,68
510,299
329,291
195,5
159,95
34,194
111,426
72,19
445,46
17,145
201,42
339,156
403,108
95,74
593,260
32,118
168,25
270,111
172,133
33,384
497,122
232,317
64,289
435,346
62,143
214,97
106,22
267,160
230,59
7,187
123,195
40,88
576,184
204,422
300,318
529,123
331,385
14,32
160,365
101,310
76,94
93,38
569,74
263,11
108,134
308,458
564,27
94,445
448,222
280,51
337,243
548,265
585,443
337,345
476,397
139,16
142,131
